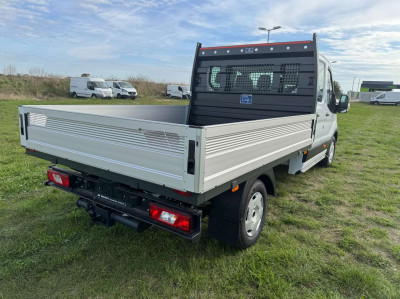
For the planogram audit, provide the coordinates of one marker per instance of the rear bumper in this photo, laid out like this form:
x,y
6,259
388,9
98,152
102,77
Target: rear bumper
x,y
108,202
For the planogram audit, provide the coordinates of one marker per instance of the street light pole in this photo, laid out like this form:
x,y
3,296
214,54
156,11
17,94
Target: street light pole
x,y
358,88
269,30
352,87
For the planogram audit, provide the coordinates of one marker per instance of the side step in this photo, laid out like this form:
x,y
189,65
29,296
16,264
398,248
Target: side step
x,y
108,217
314,160
297,166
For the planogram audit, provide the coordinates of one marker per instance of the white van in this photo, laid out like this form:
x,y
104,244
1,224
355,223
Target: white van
x,y
387,97
89,88
178,91
122,89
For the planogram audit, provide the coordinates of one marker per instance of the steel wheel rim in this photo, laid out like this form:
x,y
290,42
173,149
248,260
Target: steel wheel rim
x,y
254,214
331,151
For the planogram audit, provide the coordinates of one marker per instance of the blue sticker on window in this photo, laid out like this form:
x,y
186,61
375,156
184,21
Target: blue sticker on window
x,y
246,99
249,50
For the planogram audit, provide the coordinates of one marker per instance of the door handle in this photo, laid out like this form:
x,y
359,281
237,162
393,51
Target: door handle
x,y
327,114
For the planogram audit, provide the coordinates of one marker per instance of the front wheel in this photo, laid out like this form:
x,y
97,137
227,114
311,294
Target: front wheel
x,y
93,96
376,103
330,154
398,104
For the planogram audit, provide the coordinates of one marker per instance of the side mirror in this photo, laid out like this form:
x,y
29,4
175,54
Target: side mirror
x,y
343,105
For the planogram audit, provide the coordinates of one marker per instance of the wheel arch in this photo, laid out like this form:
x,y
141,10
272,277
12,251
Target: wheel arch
x,y
336,135
268,178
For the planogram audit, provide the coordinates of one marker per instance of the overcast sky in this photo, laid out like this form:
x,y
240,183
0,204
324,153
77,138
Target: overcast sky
x,y
158,38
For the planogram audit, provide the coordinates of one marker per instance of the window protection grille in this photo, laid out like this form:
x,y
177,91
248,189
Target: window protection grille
x,y
249,78
253,78
289,78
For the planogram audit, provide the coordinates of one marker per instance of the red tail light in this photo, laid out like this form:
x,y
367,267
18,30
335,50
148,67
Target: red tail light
x,y
58,177
170,217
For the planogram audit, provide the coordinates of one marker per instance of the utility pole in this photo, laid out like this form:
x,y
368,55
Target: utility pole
x,y
352,87
358,89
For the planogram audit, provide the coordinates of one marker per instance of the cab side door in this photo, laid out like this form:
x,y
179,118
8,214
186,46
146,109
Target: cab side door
x,y
321,126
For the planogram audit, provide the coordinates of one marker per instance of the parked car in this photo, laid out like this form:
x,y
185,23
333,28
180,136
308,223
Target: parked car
x,y
89,88
386,98
170,166
122,89
178,91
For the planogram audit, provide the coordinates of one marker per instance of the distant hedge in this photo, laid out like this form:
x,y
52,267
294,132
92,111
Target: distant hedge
x,y
55,86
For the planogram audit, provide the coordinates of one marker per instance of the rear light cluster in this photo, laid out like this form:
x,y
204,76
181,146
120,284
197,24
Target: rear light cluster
x,y
170,217
58,178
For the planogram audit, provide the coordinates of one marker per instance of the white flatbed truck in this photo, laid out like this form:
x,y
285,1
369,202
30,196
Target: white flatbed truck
x,y
252,108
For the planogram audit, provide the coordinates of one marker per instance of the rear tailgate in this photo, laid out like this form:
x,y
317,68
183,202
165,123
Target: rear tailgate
x,y
148,150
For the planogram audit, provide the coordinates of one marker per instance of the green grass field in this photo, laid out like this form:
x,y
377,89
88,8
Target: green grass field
x,y
331,233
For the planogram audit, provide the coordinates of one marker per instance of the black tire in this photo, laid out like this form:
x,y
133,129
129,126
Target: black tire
x,y
118,96
398,104
376,103
74,95
328,160
232,214
93,96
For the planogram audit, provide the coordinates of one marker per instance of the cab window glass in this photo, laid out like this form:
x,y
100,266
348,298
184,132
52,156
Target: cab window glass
x,y
382,96
321,81
115,85
214,78
330,97
329,88
89,85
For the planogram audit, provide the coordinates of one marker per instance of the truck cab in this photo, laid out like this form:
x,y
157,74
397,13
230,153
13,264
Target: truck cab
x,y
326,120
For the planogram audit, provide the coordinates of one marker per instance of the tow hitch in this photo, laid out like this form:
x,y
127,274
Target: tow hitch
x,y
108,217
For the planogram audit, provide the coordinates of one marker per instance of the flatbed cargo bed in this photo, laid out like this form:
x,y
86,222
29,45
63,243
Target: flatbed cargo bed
x,y
154,143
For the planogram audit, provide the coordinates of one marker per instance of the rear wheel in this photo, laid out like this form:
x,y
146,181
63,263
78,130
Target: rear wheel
x,y
238,218
93,96
118,96
398,104
376,103
74,95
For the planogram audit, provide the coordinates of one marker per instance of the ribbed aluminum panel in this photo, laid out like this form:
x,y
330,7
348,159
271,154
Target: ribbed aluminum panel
x,y
156,141
234,149
146,149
